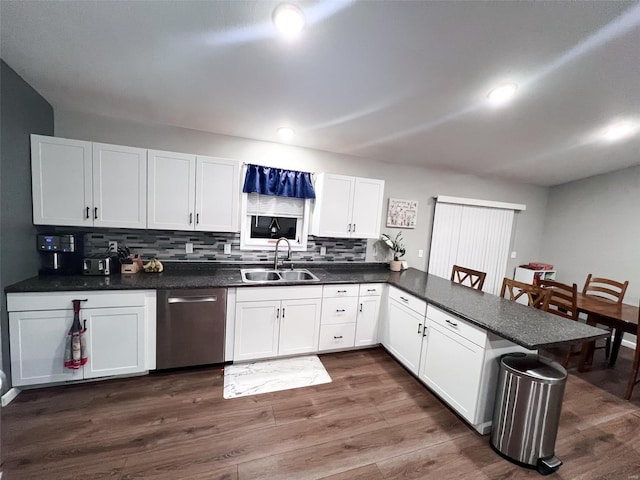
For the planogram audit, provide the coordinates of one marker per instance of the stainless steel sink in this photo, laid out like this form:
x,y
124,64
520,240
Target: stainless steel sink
x,y
263,275
260,276
297,275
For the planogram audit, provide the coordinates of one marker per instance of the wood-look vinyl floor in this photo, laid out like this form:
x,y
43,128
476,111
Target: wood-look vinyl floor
x,y
374,421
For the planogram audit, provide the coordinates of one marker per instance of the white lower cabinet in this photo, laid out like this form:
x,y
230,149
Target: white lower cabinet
x,y
452,367
404,328
120,340
257,330
368,314
454,358
115,341
275,321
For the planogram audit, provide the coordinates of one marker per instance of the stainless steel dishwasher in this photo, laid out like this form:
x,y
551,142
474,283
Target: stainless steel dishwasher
x,y
191,326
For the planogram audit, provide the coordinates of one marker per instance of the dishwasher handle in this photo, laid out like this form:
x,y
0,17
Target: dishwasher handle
x,y
192,299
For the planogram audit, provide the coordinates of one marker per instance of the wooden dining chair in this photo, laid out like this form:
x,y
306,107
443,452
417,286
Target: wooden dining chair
x,y
605,288
633,379
474,278
563,301
609,290
537,297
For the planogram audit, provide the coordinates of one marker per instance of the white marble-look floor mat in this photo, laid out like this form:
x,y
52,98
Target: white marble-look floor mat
x,y
273,375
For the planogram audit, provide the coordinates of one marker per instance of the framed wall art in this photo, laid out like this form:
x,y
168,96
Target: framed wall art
x,y
402,213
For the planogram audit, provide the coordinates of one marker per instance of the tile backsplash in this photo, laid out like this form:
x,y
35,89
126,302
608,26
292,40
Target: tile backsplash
x,y
207,246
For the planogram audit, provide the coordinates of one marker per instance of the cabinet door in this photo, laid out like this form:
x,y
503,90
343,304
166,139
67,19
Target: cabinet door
x,y
61,181
119,186
367,321
37,342
332,208
116,341
299,326
217,194
256,330
404,335
171,181
367,208
452,367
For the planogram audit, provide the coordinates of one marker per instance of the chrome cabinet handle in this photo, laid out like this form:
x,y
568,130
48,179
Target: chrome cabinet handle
x,y
337,336
197,218
371,290
340,310
282,312
354,228
277,313
342,291
405,299
361,307
424,331
453,324
95,213
419,328
190,218
191,299
87,214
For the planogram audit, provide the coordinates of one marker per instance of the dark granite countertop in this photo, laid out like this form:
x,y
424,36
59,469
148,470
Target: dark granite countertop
x,y
520,324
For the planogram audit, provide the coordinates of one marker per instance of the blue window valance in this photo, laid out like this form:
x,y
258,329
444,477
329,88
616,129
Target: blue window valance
x,y
278,181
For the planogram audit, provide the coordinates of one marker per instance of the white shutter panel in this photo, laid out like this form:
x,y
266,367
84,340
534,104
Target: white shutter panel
x,y
474,237
274,206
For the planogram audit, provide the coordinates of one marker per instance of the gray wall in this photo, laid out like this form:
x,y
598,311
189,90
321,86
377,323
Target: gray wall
x,y
22,112
593,226
406,182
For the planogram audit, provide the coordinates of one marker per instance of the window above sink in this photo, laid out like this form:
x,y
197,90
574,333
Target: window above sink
x,y
265,218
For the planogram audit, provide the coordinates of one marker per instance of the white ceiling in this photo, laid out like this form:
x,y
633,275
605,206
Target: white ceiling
x,y
393,81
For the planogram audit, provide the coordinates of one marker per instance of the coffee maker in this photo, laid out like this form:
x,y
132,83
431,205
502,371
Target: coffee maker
x,y
60,254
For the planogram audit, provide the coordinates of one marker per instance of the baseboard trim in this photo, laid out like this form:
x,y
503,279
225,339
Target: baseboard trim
x,y
628,344
8,397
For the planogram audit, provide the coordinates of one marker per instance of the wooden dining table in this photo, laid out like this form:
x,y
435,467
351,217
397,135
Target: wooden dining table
x,y
620,316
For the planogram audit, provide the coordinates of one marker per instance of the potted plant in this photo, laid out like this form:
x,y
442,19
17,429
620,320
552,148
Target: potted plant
x,y
397,247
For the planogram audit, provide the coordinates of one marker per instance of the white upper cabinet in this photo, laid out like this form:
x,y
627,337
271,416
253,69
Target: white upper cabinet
x,y
172,190
61,181
189,192
77,183
119,186
217,194
347,207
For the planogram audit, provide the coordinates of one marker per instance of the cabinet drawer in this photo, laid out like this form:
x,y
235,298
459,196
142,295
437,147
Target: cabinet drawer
x,y
415,304
371,289
330,291
338,336
20,302
260,294
455,324
339,310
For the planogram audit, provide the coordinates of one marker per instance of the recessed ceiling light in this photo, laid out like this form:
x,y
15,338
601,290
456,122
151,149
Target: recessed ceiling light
x,y
286,133
619,130
289,19
502,94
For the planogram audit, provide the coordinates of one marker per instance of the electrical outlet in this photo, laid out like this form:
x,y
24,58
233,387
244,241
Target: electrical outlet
x,y
323,251
420,253
227,249
188,247
513,254
113,246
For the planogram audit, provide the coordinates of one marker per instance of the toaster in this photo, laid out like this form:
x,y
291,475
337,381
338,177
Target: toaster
x,y
100,265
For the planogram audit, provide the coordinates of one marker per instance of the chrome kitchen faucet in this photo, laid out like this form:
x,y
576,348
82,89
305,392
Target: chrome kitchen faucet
x,y
275,258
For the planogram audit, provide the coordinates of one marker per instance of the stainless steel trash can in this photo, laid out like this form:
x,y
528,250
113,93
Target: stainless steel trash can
x,y
527,411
